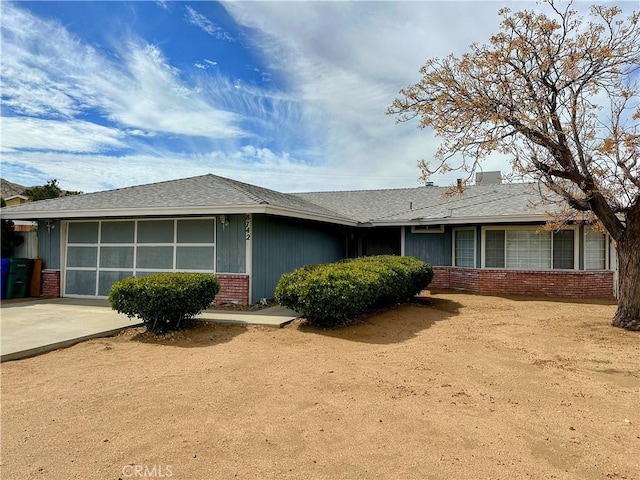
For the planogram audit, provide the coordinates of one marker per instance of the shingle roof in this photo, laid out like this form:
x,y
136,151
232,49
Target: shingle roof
x,y
425,204
211,194
199,193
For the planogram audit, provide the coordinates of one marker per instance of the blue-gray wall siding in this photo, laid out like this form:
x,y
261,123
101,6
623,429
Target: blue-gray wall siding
x,y
49,245
433,248
231,245
281,245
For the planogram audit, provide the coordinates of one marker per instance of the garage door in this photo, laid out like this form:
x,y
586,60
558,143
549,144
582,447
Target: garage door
x,y
99,253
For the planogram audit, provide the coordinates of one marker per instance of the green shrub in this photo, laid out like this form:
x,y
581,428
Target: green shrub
x,y
328,294
164,301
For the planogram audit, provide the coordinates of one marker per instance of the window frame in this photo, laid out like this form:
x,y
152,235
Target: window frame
x,y
607,243
576,246
454,231
420,229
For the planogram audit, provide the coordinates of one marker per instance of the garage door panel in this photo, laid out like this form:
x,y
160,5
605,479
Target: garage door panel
x,y
195,231
116,257
155,257
80,282
117,232
106,279
82,256
155,231
83,232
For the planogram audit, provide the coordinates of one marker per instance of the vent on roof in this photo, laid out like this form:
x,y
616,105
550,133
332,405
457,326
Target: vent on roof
x,y
427,229
488,178
428,184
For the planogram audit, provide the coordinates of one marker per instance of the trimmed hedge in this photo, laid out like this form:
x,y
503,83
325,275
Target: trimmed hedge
x,y
328,294
164,301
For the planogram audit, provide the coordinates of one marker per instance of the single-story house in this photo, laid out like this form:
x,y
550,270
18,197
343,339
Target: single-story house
x,y
487,240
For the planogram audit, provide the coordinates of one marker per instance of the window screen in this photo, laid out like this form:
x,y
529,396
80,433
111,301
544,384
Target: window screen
x,y
465,248
563,249
595,246
494,248
528,249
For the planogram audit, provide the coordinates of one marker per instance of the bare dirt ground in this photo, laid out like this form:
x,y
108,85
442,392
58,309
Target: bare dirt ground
x,y
464,387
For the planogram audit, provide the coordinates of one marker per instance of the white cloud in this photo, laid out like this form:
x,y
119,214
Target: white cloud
x,y
157,100
49,72
258,166
199,20
345,63
69,136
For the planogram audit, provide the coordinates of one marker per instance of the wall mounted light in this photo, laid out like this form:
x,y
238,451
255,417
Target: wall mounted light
x,y
50,224
224,220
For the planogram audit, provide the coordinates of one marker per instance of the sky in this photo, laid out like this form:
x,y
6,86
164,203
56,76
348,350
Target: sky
x,y
285,95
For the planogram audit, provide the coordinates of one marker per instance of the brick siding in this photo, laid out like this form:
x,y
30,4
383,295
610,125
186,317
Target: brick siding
x,y
233,289
50,283
551,283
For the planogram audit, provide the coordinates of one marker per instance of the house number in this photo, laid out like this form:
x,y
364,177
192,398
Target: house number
x,y
247,226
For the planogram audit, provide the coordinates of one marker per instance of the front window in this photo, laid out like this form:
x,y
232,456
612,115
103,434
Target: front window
x,y
529,249
464,248
494,249
563,243
595,250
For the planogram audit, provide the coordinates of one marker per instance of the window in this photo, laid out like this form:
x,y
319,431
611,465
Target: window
x,y
464,247
595,250
563,249
494,248
529,249
427,228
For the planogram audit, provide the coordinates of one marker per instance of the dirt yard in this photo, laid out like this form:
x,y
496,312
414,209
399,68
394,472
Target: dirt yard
x,y
464,387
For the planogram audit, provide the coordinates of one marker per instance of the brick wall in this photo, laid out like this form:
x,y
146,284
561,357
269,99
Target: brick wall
x,y
552,283
233,289
50,283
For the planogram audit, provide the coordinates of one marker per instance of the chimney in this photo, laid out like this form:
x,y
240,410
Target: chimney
x,y
489,178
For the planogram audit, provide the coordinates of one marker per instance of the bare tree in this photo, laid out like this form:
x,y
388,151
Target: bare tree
x,y
559,94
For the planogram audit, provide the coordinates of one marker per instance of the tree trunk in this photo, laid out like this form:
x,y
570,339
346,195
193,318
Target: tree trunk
x,y
628,313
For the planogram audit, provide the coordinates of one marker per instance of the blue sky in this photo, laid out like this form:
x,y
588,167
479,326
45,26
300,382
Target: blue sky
x,y
286,95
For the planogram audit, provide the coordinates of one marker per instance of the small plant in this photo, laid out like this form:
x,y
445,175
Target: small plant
x,y
328,294
164,301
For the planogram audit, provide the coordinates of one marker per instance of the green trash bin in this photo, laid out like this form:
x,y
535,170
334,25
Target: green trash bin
x,y
18,280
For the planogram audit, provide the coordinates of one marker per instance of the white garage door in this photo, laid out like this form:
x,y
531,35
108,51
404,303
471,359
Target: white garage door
x,y
99,253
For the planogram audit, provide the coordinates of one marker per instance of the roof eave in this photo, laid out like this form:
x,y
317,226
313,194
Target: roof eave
x,y
461,220
173,211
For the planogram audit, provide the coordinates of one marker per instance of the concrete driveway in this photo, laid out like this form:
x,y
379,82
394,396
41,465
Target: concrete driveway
x,y
32,327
